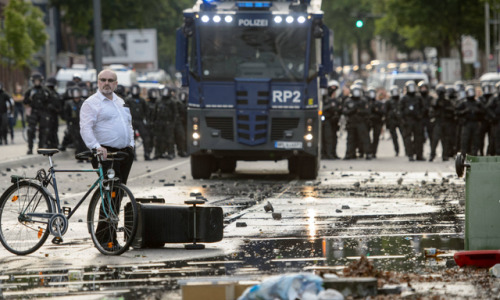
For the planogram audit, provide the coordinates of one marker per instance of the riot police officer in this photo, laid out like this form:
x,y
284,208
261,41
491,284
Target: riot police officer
x,y
139,111
471,112
121,91
393,116
164,125
5,105
71,114
412,111
485,128
54,109
180,118
332,110
67,96
493,110
423,89
376,119
153,95
356,110
442,114
38,98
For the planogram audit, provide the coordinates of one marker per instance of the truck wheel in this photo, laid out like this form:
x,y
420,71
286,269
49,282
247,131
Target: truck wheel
x,y
202,166
308,167
227,165
293,163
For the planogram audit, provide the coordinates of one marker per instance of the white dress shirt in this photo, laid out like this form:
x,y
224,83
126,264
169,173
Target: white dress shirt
x,y
106,122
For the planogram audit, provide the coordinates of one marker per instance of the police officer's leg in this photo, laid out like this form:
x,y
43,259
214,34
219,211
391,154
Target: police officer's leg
x,y
327,140
407,139
377,130
466,138
145,139
43,129
364,139
350,152
180,139
335,129
170,141
418,130
448,134
394,137
32,123
3,128
436,137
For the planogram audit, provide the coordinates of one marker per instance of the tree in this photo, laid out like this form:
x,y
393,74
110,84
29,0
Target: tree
x,y
23,34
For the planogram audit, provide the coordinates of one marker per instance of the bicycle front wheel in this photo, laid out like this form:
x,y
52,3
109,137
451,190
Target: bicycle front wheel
x,y
21,233
112,219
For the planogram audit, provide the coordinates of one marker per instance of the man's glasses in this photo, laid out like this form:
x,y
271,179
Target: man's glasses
x,y
107,79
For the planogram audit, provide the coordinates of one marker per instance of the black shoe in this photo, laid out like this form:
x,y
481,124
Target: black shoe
x,y
62,148
445,158
349,157
29,152
420,158
397,153
147,158
411,158
432,158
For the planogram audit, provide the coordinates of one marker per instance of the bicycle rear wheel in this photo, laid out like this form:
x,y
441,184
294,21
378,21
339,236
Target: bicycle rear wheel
x,y
112,219
19,233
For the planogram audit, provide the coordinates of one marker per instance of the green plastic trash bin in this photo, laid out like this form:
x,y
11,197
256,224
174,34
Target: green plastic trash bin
x,y
482,201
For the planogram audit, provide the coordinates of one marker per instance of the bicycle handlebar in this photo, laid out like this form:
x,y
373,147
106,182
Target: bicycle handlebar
x,y
85,155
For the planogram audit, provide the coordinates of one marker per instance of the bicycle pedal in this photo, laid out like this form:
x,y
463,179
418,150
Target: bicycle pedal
x,y
57,240
66,210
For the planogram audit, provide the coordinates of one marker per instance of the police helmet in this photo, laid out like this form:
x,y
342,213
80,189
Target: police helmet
x,y
459,85
36,76
153,93
183,96
358,82
76,92
451,92
333,86
371,92
356,91
440,89
487,88
135,90
394,91
85,92
165,92
470,91
423,87
77,77
411,87
51,82
120,90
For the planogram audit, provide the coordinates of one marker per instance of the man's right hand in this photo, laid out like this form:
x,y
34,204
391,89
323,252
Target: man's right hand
x,y
103,152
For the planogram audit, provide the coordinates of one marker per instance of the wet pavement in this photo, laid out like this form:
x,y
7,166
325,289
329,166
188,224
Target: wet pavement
x,y
388,210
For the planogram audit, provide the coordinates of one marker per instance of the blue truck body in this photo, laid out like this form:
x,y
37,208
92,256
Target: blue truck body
x,y
254,71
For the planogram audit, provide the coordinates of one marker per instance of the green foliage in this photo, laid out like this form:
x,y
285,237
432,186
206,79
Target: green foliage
x,y
23,34
164,15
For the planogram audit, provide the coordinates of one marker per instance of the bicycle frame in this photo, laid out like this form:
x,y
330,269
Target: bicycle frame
x,y
52,178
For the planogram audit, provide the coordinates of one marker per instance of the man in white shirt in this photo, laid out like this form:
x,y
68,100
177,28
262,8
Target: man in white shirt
x,y
106,125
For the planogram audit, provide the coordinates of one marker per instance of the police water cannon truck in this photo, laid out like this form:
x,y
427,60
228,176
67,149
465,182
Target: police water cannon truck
x,y
254,70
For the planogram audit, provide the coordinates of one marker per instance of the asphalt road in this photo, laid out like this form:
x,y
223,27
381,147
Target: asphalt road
x,y
350,206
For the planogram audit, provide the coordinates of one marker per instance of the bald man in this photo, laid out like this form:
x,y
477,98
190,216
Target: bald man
x,y
106,125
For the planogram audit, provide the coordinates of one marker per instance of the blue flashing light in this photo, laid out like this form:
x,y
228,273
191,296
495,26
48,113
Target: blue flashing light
x,y
247,4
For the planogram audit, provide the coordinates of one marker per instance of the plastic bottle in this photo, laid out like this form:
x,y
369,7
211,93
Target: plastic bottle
x,y
495,271
432,252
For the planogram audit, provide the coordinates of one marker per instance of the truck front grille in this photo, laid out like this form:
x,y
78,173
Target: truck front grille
x,y
223,124
280,125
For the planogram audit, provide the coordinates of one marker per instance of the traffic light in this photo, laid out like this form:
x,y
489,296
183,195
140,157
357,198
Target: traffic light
x,y
359,23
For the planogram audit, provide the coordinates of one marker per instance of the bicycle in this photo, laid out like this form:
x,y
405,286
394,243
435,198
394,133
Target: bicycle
x,y
29,212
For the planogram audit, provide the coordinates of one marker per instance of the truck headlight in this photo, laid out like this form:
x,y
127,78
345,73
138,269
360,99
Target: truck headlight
x,y
196,136
308,137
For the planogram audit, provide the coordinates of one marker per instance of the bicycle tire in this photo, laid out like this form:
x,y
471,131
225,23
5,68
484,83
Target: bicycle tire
x,y
17,234
111,232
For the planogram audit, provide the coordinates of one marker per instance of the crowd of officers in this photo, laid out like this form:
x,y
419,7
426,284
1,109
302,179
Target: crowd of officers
x,y
160,122
451,115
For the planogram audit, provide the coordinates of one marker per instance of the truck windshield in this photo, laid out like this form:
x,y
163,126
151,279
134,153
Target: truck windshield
x,y
255,52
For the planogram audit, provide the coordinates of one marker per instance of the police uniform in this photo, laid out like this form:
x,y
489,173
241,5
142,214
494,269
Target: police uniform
x,y
164,126
139,110
393,120
38,98
412,111
442,112
4,120
356,110
377,114
471,112
180,120
71,114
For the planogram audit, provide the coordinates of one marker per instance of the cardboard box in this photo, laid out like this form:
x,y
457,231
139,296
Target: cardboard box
x,y
215,290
